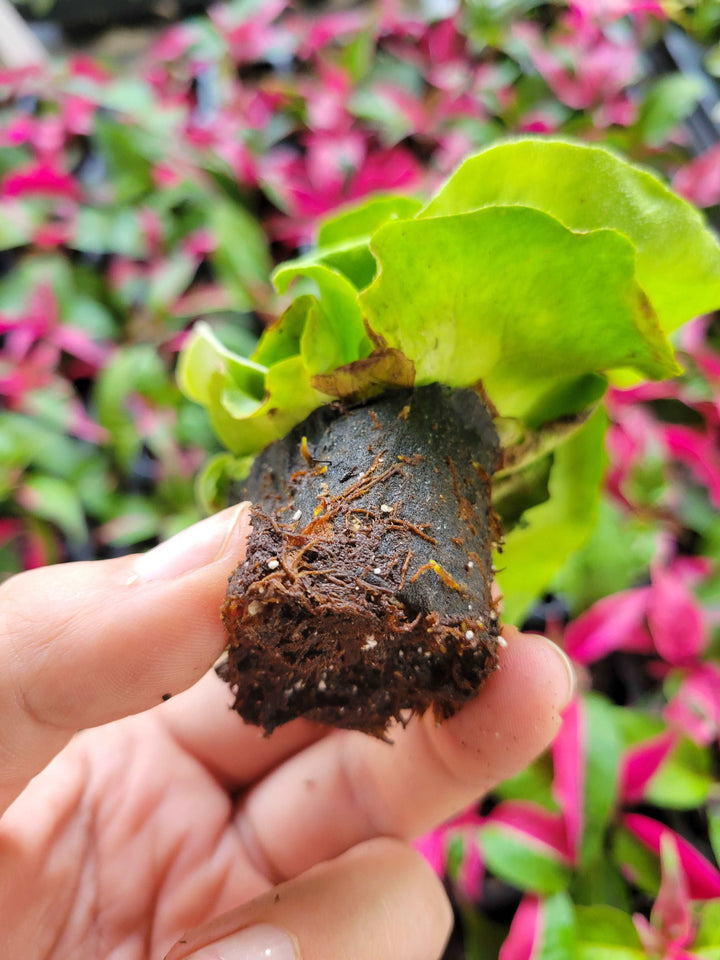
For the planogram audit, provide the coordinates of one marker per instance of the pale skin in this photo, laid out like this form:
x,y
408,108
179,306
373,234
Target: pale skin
x,y
161,818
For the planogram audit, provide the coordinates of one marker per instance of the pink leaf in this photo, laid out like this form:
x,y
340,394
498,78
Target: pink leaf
x,y
650,938
172,44
703,878
640,764
699,181
609,10
675,618
569,762
81,65
35,551
432,847
695,708
526,931
78,114
40,177
472,870
329,27
672,912
613,623
48,236
9,529
700,452
80,345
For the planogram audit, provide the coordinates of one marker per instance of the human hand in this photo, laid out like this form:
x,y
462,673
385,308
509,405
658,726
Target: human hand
x,y
159,816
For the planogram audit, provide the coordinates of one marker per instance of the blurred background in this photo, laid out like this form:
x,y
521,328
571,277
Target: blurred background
x,y
158,157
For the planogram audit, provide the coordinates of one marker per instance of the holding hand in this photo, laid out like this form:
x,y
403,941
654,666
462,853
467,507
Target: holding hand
x,y
163,816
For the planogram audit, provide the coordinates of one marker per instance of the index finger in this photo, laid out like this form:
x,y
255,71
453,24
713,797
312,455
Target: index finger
x,y
82,644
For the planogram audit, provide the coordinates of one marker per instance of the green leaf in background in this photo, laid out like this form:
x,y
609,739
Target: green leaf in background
x,y
18,222
101,230
135,520
606,933
602,757
241,258
587,188
134,99
482,937
550,532
685,778
706,945
638,864
476,296
129,153
137,369
522,861
670,100
55,500
534,783
558,935
615,556
170,280
29,273
601,883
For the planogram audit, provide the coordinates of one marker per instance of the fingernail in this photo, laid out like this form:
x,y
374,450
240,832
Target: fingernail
x,y
202,543
261,942
570,674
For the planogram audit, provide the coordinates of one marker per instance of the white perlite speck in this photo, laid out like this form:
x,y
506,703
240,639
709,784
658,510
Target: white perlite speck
x,y
502,642
297,515
273,564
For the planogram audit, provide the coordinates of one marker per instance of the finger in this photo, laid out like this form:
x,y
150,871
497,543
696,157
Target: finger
x,y
201,722
349,787
85,643
378,902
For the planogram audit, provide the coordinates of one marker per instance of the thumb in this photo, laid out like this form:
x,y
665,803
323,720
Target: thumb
x,y
82,644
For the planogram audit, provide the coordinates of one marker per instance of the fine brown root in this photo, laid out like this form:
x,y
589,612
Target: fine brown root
x,y
365,595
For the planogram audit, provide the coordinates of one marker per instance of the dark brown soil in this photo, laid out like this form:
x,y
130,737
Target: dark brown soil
x,y
365,595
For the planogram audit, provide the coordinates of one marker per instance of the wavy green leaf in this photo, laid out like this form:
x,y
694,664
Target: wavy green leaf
x,y
510,296
204,356
334,333
288,399
361,220
589,188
